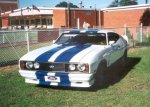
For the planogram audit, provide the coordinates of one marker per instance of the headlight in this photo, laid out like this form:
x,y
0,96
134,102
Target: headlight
x,y
81,67
29,65
72,67
36,65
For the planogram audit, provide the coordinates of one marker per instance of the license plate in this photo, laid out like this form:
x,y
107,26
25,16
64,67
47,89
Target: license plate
x,y
52,79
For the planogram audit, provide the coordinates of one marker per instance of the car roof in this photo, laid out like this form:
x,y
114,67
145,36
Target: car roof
x,y
88,31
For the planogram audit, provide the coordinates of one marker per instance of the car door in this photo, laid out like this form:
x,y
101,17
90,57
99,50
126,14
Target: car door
x,y
115,46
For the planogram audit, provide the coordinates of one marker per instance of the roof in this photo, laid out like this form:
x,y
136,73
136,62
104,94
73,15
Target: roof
x,y
48,10
9,1
27,11
132,7
91,31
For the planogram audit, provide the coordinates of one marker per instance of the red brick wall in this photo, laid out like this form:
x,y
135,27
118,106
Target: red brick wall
x,y
5,20
8,6
120,17
84,16
59,18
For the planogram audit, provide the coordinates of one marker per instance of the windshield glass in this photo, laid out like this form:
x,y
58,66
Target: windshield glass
x,y
82,38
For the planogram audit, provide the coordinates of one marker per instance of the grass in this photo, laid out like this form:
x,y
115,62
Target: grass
x,y
124,87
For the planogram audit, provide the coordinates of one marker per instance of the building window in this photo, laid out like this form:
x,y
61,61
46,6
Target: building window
x,y
32,22
37,21
49,21
12,22
27,22
43,21
21,22
17,22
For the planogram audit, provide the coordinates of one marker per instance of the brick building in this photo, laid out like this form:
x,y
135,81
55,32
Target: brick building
x,y
118,16
7,5
45,18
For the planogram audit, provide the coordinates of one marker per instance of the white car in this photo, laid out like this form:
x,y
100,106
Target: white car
x,y
74,58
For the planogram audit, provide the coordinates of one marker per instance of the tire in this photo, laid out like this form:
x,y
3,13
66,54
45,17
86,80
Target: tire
x,y
100,75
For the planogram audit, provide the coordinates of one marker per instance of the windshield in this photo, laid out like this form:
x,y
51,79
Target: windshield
x,y
82,38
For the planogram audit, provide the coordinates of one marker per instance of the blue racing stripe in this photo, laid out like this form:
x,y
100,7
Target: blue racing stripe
x,y
91,31
45,56
67,55
64,78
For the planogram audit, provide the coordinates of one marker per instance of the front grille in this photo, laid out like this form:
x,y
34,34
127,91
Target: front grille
x,y
47,66
52,67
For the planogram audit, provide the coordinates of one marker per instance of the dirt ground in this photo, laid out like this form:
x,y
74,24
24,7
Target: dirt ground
x,y
8,68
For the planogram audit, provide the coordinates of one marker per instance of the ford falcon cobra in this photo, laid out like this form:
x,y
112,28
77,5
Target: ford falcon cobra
x,y
74,58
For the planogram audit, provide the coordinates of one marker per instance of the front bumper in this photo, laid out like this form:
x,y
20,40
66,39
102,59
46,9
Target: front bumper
x,y
64,79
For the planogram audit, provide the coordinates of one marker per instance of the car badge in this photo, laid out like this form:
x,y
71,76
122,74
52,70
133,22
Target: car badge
x,y
51,66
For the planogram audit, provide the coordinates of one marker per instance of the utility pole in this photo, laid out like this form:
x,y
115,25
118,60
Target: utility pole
x,y
117,1
80,4
146,1
69,20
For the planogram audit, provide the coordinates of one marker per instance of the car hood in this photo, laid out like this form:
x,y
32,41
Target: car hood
x,y
60,53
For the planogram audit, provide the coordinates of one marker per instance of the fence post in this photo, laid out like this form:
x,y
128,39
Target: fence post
x,y
125,29
59,30
3,37
78,23
141,33
14,35
28,41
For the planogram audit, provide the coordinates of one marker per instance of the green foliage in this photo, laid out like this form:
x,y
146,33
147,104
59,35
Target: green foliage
x,y
128,2
145,18
146,40
65,4
114,4
117,3
133,90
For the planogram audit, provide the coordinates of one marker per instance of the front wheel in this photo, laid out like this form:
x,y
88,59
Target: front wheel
x,y
100,75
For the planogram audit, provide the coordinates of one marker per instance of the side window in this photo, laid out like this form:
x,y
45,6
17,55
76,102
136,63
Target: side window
x,y
112,38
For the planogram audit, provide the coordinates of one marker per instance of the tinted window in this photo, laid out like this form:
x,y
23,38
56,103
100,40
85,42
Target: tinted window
x,y
113,37
82,38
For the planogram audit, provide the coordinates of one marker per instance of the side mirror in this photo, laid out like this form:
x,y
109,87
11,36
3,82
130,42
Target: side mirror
x,y
54,41
111,42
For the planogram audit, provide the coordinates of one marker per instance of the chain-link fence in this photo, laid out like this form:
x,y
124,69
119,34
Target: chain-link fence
x,y
137,36
14,44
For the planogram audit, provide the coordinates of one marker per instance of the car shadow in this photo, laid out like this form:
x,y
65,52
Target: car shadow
x,y
113,75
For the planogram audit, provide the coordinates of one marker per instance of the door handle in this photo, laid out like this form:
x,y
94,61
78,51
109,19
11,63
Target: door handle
x,y
116,47
108,53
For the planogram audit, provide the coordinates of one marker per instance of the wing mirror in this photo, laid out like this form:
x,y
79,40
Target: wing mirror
x,y
111,42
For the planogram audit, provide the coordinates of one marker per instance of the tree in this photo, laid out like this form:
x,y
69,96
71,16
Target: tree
x,y
145,19
114,4
117,3
65,4
128,2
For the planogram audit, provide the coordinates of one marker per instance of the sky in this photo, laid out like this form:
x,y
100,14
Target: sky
x,y
86,3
